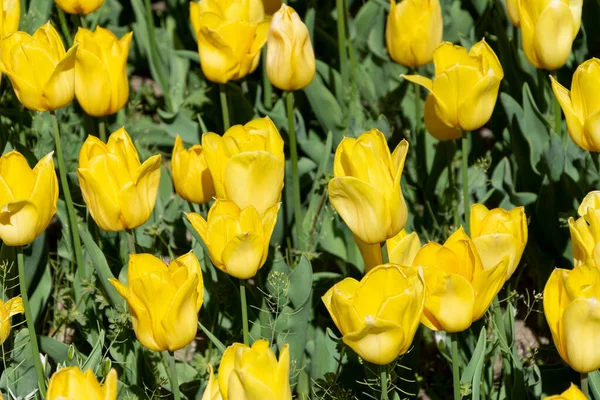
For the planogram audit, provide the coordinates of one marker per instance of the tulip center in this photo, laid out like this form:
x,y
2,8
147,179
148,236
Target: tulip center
x,y
369,319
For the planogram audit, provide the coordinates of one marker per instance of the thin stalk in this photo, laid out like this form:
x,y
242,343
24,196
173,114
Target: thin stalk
x,y
455,376
64,27
131,241
102,129
244,311
267,87
384,382
224,106
35,352
452,183
173,376
420,135
585,387
162,77
557,114
294,159
465,179
62,171
341,38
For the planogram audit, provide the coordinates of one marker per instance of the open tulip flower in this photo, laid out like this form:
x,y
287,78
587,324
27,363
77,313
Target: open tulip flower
x,y
572,309
79,6
10,17
41,72
379,315
585,231
72,384
119,191
464,90
163,301
12,307
191,176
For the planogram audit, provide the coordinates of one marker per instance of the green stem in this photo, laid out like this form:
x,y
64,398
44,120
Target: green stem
x,y
384,382
154,56
131,241
451,181
244,311
224,106
35,352
62,171
102,129
420,135
465,179
294,159
64,27
267,87
585,388
455,376
341,37
557,114
173,376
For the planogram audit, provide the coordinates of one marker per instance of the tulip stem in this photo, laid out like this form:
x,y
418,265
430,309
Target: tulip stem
x,y
455,375
224,106
244,311
584,385
102,129
341,37
35,352
294,159
557,114
267,87
154,55
174,381
465,179
384,382
131,241
64,27
62,171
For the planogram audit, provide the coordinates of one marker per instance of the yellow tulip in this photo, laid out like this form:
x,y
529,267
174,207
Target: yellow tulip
x,y
237,240
379,315
499,233
413,31
459,286
548,29
12,307
403,248
290,55
463,92
230,36
72,384
79,6
10,17
247,164
585,231
572,393
191,176
512,9
253,373
101,83
119,191
41,72
163,301
27,198
572,309
581,105
212,392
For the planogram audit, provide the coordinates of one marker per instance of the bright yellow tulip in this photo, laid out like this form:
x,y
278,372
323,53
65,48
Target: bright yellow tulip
x,y
41,72
581,105
72,384
572,393
290,55
463,93
9,17
403,248
119,191
212,392
163,301
413,31
79,6
512,9
548,29
237,240
572,309
379,315
499,233
253,373
27,198
12,307
459,286
191,176
101,83
230,35
247,164
585,231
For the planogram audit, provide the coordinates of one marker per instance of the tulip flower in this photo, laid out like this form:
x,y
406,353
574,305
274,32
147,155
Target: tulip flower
x,y
290,55
403,248
548,29
28,198
572,393
512,9
499,233
191,176
72,384
79,6
572,306
413,31
12,307
101,83
212,392
585,231
41,72
253,373
459,286
163,301
230,37
581,105
464,90
119,191
379,315
247,164
9,17
237,240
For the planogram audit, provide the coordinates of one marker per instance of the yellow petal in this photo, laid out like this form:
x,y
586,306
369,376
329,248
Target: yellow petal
x,y
17,174
555,302
138,197
420,80
103,208
553,35
581,322
379,342
403,250
493,248
143,264
435,124
60,88
476,110
345,288
487,284
180,323
45,192
242,256
18,222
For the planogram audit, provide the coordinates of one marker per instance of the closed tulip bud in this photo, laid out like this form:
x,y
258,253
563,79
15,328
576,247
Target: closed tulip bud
x,y
41,72
12,307
163,301
581,105
499,233
237,240
548,28
572,309
27,198
572,393
290,56
459,286
212,391
512,9
247,164
463,93
9,17
413,31
230,36
191,176
585,231
403,248
379,315
79,6
253,373
101,83
119,191
72,384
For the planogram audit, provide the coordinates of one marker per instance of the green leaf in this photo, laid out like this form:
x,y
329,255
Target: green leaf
x,y
594,383
96,354
472,373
